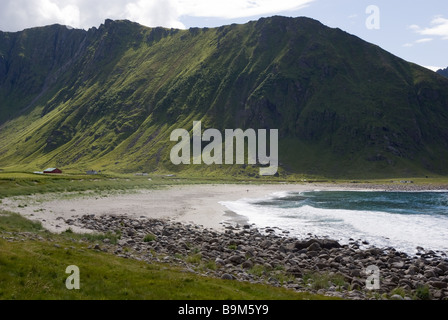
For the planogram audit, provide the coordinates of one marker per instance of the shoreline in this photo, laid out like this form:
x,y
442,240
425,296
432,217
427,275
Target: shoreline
x,y
196,204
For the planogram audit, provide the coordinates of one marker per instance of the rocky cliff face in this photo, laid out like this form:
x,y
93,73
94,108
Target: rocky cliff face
x,y
111,96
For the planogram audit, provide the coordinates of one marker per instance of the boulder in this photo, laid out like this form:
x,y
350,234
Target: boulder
x,y
314,247
438,284
247,264
227,276
237,259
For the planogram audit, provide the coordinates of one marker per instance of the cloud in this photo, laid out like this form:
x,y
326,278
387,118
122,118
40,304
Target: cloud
x,y
229,9
433,68
419,41
20,14
424,40
439,27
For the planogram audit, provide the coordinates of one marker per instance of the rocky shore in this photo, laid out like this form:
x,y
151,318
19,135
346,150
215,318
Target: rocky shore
x,y
269,255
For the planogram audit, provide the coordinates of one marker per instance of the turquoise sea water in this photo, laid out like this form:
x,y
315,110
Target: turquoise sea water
x,y
403,220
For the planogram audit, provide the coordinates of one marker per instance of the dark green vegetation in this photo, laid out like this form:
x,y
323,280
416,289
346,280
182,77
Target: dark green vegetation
x,y
109,98
443,72
33,264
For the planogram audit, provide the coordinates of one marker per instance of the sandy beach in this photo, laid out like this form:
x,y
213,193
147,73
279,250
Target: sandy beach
x,y
195,204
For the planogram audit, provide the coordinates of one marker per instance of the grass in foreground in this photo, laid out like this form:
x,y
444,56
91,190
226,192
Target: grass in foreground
x,y
34,269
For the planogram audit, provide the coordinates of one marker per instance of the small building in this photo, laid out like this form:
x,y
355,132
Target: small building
x,y
144,174
92,172
53,171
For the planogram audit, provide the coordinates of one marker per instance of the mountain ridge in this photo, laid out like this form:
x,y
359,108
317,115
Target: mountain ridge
x,y
109,97
443,72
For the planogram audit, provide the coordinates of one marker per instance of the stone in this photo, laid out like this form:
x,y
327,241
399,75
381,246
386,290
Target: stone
x,y
438,284
356,273
247,265
296,272
265,244
398,265
429,274
357,285
412,270
227,276
314,247
396,297
237,259
321,265
329,244
443,266
438,271
437,294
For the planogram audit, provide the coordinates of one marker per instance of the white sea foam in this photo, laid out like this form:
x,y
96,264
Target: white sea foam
x,y
381,229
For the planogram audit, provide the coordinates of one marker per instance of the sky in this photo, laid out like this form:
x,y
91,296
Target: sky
x,y
415,30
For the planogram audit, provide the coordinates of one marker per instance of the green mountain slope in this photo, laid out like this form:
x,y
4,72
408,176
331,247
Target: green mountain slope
x,y
109,98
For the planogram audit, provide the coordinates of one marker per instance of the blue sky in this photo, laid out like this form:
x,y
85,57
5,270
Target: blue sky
x,y
415,30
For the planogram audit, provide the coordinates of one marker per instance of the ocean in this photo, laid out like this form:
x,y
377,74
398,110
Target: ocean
x,y
402,220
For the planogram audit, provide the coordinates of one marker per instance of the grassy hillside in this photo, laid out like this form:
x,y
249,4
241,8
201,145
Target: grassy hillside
x,y
109,98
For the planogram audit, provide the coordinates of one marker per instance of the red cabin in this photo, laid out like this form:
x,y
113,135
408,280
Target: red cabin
x,y
53,170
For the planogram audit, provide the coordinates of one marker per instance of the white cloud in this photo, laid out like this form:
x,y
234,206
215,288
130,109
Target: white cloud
x,y
433,68
19,14
414,27
154,13
424,40
419,41
230,9
439,27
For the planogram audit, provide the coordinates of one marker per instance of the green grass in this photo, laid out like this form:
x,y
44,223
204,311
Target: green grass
x,y
35,270
423,293
318,280
12,222
149,238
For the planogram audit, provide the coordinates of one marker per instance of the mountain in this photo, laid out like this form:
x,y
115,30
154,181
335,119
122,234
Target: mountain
x,y
109,98
443,72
